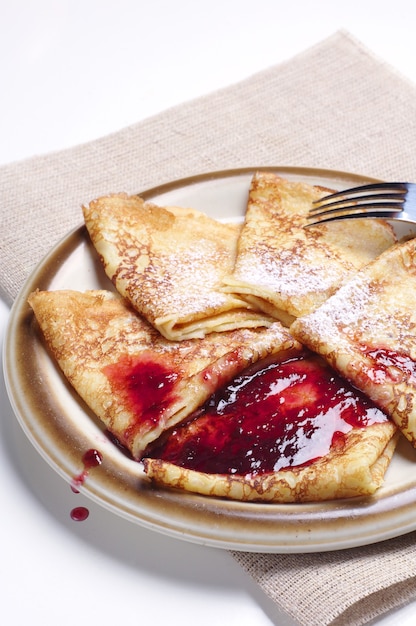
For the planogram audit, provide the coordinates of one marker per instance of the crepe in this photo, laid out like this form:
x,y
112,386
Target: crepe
x,y
169,263
288,430
136,381
287,270
367,331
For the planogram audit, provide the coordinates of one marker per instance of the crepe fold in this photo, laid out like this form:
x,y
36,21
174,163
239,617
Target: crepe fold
x,y
358,471
367,332
169,263
135,380
287,270
288,429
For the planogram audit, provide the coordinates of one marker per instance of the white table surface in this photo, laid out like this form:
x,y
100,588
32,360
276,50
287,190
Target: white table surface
x,y
56,56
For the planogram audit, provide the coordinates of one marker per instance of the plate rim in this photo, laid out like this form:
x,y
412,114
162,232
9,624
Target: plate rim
x,y
226,514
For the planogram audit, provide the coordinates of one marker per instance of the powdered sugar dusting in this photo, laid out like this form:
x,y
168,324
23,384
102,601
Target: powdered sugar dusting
x,y
188,284
290,273
344,309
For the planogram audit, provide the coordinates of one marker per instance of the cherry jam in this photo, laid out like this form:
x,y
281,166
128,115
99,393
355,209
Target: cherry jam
x,y
79,514
389,366
146,386
283,415
91,458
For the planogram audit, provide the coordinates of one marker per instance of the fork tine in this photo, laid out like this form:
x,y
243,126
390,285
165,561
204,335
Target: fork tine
x,y
316,220
382,200
362,209
326,203
396,188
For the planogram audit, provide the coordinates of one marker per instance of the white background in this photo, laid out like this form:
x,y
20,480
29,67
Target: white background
x,y
72,71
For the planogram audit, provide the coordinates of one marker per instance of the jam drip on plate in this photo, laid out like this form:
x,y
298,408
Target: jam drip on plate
x,y
91,458
280,416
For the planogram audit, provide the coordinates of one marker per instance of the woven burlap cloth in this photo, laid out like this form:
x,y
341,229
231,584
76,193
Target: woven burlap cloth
x,y
333,106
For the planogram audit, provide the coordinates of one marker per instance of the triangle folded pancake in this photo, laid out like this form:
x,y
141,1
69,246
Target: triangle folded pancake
x,y
169,263
287,270
136,381
367,331
363,470
273,435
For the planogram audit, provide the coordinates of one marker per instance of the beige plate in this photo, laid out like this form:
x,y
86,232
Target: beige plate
x,y
62,429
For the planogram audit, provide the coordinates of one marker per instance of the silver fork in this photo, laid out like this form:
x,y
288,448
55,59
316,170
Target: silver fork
x,y
393,201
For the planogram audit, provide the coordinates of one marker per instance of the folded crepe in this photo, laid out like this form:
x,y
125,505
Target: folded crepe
x,y
367,331
169,263
290,430
287,270
136,381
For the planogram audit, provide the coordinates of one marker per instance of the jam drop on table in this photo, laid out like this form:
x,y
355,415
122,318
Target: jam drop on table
x,y
284,415
79,514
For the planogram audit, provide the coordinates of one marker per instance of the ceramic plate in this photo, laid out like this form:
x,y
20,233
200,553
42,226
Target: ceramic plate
x,y
63,429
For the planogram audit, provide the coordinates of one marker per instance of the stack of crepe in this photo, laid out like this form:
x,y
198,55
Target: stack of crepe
x,y
199,301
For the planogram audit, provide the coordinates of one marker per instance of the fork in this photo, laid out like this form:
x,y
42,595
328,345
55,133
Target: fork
x,y
393,201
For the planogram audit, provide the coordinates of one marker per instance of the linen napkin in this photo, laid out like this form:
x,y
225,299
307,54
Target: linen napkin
x,y
333,106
